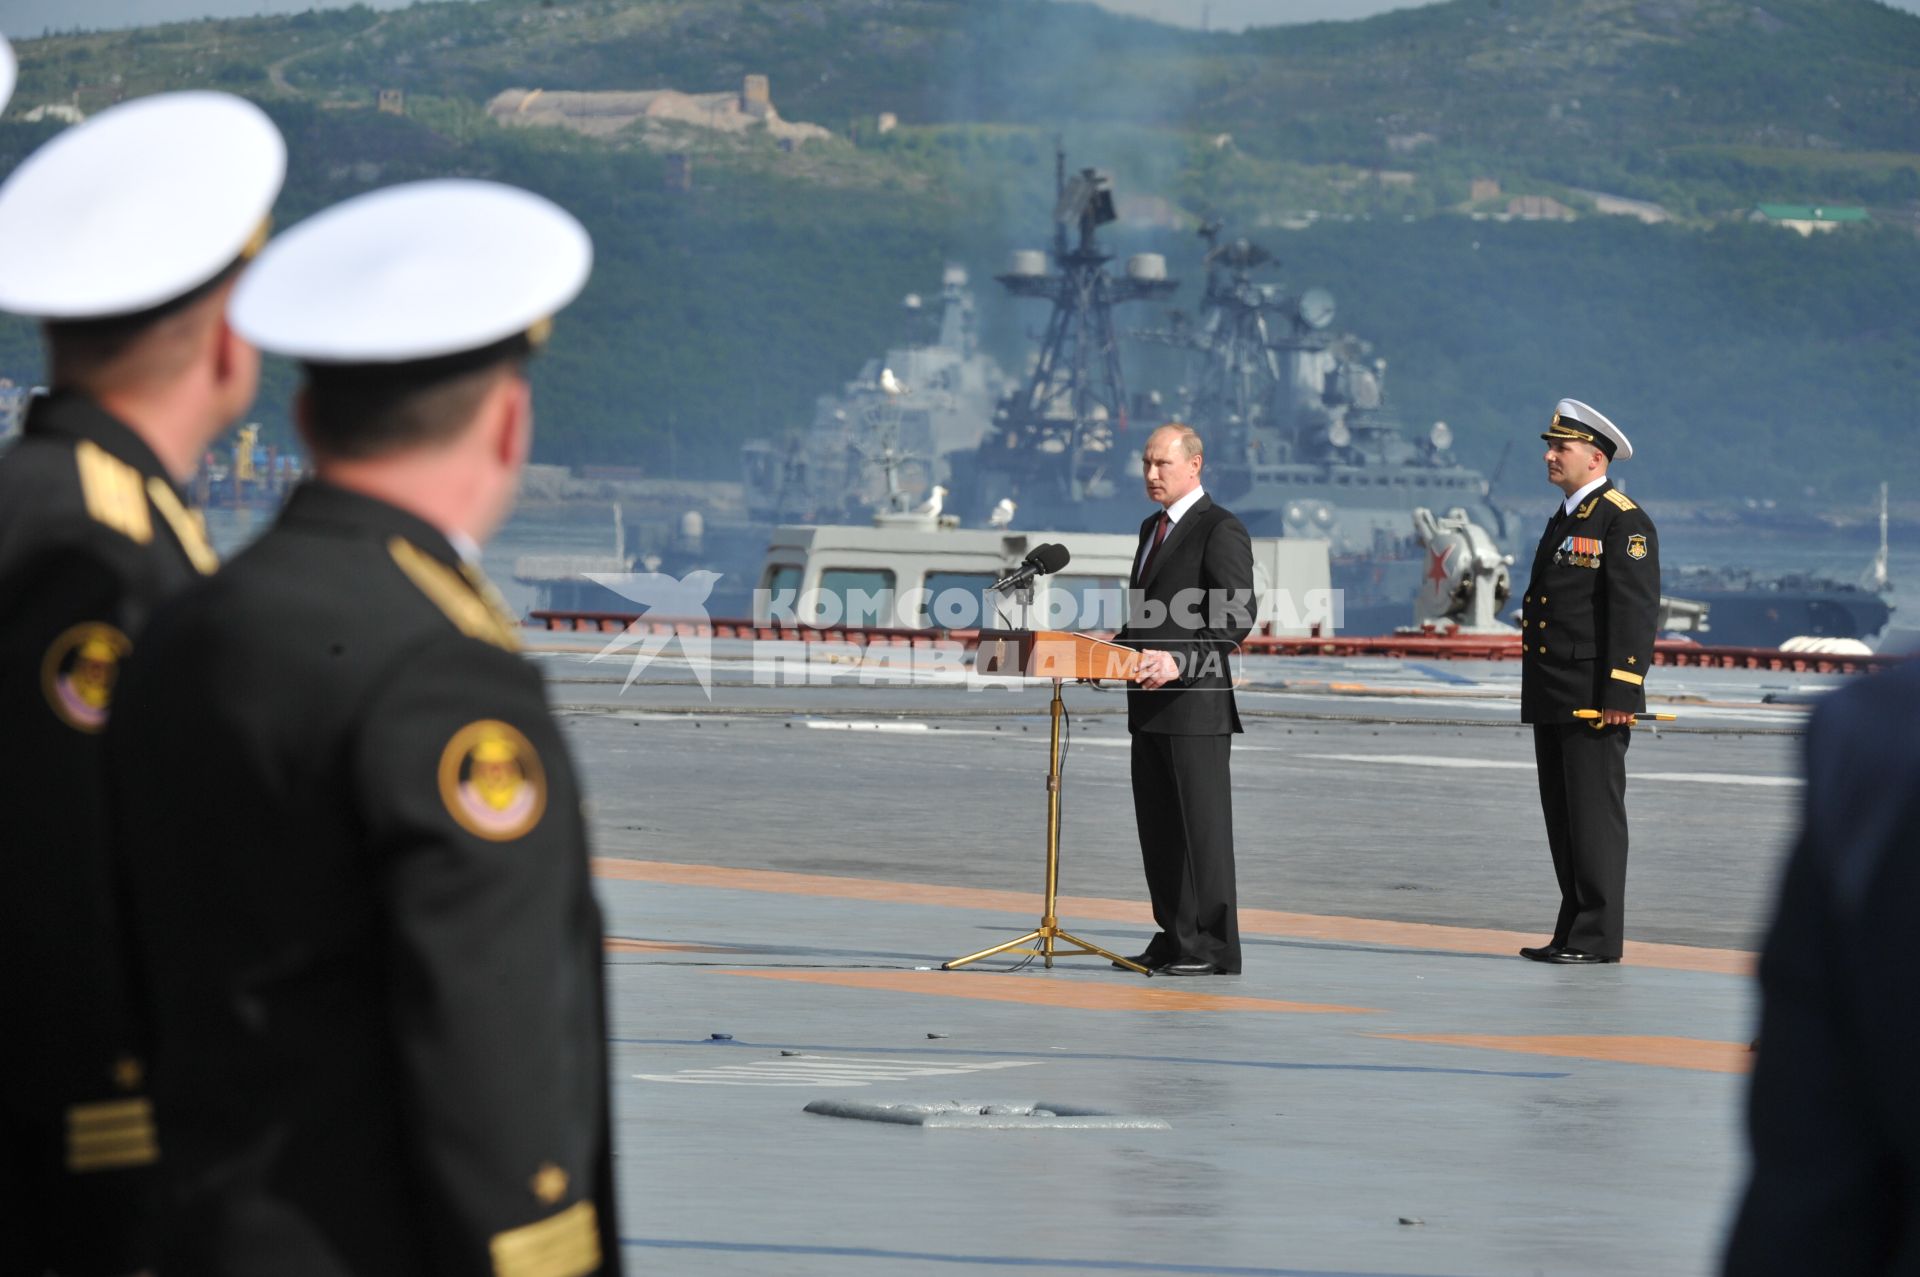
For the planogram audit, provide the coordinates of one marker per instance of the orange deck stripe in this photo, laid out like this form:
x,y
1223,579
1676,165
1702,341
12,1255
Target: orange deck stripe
x,y
1670,1053
991,987
1267,922
621,944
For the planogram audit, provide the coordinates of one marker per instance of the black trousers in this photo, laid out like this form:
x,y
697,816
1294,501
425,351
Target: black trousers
x,y
1183,806
1583,794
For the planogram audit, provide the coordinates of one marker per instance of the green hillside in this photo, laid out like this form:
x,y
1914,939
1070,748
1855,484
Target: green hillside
x,y
719,313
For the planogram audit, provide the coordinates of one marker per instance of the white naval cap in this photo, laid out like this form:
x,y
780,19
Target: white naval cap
x,y
139,206
415,272
8,70
1575,420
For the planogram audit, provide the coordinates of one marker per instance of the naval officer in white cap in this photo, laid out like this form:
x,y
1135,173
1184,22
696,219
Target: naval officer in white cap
x,y
124,237
363,896
1587,627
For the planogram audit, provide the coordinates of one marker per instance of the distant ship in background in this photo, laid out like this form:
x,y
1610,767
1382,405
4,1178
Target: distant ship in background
x,y
888,438
1301,437
1755,609
1303,441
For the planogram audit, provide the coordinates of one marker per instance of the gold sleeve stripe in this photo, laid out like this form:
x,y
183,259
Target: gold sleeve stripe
x,y
112,492
446,590
1628,676
1620,499
191,532
110,1113
563,1245
111,1135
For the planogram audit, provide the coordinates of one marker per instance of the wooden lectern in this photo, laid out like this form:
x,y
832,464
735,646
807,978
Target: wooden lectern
x,y
1056,655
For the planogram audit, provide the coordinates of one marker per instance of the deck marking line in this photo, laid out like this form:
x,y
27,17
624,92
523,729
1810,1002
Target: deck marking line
x,y
997,1261
1078,995
1503,764
1281,1066
624,944
828,1071
1439,675
857,725
1699,1054
1433,937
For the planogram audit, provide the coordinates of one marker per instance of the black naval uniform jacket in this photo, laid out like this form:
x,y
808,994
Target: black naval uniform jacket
x,y
93,534
1195,601
1835,1182
1590,610
360,894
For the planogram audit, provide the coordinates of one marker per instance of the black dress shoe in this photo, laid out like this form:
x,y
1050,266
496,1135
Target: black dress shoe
x,y
1150,961
1575,958
1543,954
1189,968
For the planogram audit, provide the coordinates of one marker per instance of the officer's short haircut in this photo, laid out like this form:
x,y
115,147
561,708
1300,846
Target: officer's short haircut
x,y
365,410
97,355
1190,444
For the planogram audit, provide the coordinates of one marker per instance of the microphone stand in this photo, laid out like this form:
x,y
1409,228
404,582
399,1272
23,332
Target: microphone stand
x,y
1049,938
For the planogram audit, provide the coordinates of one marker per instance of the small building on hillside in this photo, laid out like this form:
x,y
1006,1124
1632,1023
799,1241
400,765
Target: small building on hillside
x,y
1620,206
1539,208
1808,218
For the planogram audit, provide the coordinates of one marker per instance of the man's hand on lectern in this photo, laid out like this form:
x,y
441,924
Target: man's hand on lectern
x,y
1157,669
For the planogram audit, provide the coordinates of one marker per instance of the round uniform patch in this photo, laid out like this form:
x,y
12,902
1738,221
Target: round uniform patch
x,y
79,671
492,782
1636,546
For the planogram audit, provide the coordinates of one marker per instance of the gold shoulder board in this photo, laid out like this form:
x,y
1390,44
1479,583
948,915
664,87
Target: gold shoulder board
x,y
1620,499
563,1245
449,592
187,525
113,492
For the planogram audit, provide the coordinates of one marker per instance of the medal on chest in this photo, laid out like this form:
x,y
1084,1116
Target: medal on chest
x,y
1580,552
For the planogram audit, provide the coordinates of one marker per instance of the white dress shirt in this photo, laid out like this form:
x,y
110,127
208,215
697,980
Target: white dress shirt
x,y
1173,513
1582,495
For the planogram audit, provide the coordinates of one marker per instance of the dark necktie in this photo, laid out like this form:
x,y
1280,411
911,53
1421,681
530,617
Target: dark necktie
x,y
1159,535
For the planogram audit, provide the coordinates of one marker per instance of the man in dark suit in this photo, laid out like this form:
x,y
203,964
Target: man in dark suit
x,y
1587,627
123,237
1835,1186
1190,605
354,844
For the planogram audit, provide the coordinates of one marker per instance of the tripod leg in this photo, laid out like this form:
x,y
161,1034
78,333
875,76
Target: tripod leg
x,y
1014,943
1128,963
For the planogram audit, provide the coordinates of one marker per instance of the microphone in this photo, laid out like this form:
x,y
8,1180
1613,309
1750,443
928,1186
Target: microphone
x,y
1043,560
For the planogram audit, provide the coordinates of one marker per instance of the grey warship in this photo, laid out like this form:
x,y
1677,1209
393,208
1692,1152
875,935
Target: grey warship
x,y
1304,440
889,433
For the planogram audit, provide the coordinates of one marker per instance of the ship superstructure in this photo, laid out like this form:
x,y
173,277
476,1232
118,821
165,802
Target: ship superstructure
x,y
884,440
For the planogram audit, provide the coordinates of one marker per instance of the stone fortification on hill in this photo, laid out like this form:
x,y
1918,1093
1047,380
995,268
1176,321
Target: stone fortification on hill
x,y
606,113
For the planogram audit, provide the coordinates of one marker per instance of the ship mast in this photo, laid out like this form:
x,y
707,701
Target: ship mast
x,y
1066,425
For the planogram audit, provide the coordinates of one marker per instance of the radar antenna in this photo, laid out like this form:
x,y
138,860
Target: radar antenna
x,y
1068,422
